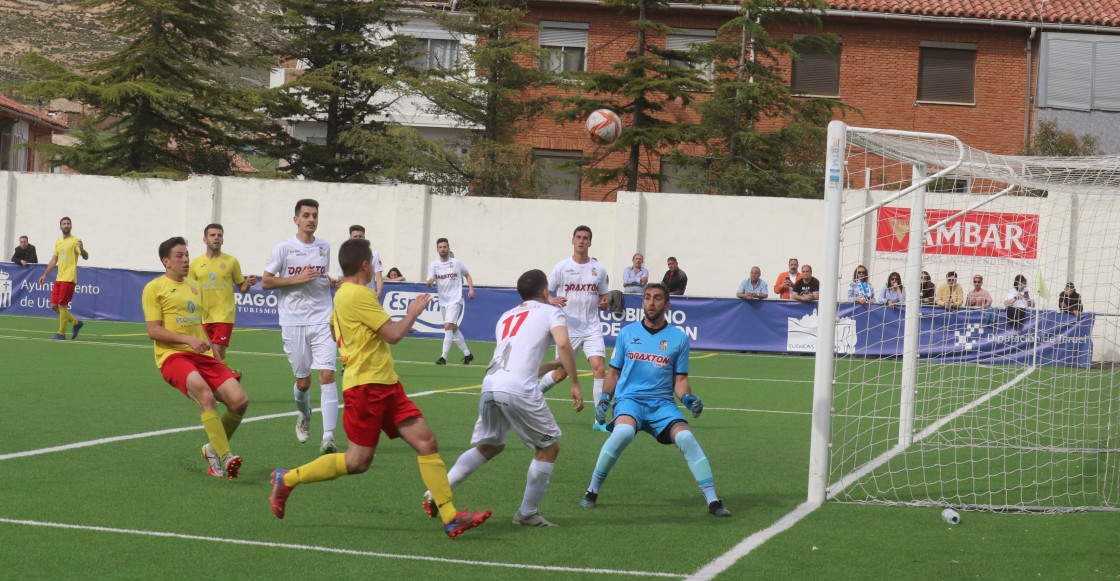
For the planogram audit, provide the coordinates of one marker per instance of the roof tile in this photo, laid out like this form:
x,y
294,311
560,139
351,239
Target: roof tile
x,y
1086,12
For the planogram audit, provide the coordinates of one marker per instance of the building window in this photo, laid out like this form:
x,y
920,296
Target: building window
x,y
564,46
949,185
817,73
436,54
947,72
684,40
13,145
677,174
559,172
1079,72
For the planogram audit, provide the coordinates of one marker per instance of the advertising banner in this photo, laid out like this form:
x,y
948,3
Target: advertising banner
x,y
983,234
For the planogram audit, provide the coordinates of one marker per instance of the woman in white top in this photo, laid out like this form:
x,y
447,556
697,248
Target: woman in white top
x,y
893,293
1017,302
859,290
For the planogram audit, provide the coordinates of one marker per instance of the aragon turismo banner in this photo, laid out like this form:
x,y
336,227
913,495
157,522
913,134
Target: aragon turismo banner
x,y
986,234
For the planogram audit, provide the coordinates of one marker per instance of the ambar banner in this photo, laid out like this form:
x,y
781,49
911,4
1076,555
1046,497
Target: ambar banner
x,y
986,234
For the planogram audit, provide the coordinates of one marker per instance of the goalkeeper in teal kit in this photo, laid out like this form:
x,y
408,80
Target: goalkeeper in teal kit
x,y
648,367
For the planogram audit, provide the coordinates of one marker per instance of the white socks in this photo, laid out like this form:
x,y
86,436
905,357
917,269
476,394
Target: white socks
x,y
596,391
328,401
536,484
467,463
303,401
447,335
546,382
460,342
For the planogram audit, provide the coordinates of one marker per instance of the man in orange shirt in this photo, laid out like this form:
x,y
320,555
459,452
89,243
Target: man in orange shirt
x,y
786,280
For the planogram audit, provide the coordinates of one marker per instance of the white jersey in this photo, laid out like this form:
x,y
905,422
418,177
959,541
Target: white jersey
x,y
523,334
449,279
581,285
376,262
303,304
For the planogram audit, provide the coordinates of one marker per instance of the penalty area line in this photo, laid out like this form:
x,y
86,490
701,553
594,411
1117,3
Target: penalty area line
x,y
337,551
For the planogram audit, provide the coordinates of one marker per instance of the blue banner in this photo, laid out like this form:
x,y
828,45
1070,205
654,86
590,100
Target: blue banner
x,y
967,335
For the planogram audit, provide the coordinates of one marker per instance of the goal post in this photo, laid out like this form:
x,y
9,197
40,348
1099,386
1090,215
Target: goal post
x,y
993,397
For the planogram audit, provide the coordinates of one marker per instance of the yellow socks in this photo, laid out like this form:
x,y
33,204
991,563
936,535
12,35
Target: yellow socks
x,y
230,421
326,467
434,473
64,319
218,440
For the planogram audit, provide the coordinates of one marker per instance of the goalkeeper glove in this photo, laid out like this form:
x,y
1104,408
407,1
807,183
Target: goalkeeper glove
x,y
602,407
693,404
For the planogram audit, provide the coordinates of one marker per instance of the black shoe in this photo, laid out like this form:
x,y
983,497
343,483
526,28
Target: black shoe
x,y
467,360
716,508
589,499
441,361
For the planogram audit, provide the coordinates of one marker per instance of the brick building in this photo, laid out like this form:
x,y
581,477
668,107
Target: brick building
x,y
20,126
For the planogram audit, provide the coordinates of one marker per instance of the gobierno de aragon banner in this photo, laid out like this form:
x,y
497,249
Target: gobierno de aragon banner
x,y
981,234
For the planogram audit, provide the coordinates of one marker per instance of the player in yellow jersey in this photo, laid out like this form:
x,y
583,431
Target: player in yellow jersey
x,y
374,398
219,273
66,252
173,309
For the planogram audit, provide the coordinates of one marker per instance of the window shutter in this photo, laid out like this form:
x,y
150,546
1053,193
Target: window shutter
x,y
947,75
1069,74
1106,81
817,73
572,34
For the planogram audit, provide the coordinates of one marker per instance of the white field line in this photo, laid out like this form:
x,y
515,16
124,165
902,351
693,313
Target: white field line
x,y
334,550
754,541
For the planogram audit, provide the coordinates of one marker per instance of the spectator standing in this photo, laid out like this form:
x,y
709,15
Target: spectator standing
x,y
635,278
929,291
675,279
25,253
893,293
753,288
859,290
1069,300
978,297
784,284
807,288
950,295
1017,302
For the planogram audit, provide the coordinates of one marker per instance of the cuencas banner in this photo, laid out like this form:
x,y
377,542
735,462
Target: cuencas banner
x,y
720,324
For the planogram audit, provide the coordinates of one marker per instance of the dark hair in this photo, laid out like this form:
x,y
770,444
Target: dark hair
x,y
306,202
24,237
166,246
63,219
444,240
658,286
351,255
1020,279
396,270
951,273
866,273
357,228
206,230
673,258
894,274
531,283
582,229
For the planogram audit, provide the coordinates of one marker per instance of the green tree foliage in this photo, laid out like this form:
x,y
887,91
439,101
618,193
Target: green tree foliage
x,y
1050,140
160,108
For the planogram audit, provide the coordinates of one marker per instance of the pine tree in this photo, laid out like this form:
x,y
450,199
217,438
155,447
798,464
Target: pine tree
x,y
160,108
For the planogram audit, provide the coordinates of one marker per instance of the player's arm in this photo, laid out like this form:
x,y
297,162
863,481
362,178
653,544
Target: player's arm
x,y
393,331
568,362
470,285
684,393
247,283
271,281
157,332
50,267
379,281
82,250
604,302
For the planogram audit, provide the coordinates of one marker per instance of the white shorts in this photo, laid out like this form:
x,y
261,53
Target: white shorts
x,y
527,414
309,347
452,313
592,345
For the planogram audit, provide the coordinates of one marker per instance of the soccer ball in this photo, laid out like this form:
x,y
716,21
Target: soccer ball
x,y
604,126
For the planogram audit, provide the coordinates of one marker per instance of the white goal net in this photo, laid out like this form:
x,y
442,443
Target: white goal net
x,y
990,383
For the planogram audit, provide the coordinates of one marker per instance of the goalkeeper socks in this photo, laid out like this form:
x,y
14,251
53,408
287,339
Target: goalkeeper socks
x,y
218,440
536,484
467,463
328,404
596,390
546,383
619,439
320,469
303,401
461,342
434,473
446,343
230,421
697,463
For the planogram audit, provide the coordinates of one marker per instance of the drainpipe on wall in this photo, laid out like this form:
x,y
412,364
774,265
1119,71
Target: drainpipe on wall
x,y
1027,114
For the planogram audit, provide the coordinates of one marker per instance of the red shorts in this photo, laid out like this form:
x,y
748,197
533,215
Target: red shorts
x,y
219,332
373,408
178,367
62,292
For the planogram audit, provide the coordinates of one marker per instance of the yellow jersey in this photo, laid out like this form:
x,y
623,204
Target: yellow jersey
x,y
217,277
365,355
179,306
66,249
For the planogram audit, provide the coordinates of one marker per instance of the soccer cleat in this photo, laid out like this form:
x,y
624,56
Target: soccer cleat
x,y
232,466
465,521
280,491
77,327
532,520
441,361
716,508
303,429
429,504
597,427
58,337
467,360
590,499
327,446
213,461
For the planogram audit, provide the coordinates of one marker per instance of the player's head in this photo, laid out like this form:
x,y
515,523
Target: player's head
x,y
581,239
443,248
358,231
533,285
23,242
213,235
174,256
353,255
672,262
655,301
307,216
65,224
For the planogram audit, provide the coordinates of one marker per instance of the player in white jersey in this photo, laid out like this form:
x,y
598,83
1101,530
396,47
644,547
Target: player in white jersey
x,y
299,268
448,274
580,286
378,281
510,397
